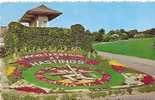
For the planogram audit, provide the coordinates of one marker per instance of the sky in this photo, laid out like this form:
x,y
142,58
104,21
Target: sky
x,y
92,15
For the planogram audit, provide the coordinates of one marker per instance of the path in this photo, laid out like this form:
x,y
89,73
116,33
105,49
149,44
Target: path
x,y
139,64
146,96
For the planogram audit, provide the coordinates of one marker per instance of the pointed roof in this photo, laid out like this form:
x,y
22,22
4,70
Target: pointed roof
x,y
40,10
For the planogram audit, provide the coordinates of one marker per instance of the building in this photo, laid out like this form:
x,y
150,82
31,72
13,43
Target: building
x,y
3,29
39,17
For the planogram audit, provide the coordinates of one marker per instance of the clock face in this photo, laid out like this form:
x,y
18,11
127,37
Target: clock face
x,y
69,76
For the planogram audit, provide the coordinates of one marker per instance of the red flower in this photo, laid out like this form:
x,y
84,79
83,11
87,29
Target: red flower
x,y
117,68
17,73
98,81
106,77
148,79
24,63
92,62
31,89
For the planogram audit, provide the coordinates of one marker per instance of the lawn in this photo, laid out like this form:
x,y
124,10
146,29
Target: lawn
x,y
135,47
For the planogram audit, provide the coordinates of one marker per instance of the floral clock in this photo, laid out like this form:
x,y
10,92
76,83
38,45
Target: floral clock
x,y
71,76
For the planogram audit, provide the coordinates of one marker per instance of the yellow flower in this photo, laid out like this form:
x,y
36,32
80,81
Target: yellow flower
x,y
114,62
10,70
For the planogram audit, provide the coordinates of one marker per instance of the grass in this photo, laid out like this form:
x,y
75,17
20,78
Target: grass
x,y
135,47
49,76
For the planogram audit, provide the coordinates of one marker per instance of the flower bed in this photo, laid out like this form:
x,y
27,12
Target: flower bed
x,y
32,89
52,57
51,70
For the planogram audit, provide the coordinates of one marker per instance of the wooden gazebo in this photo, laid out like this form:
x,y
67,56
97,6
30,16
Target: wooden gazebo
x,y
38,17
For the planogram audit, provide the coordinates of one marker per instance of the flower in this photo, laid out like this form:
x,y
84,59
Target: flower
x,y
29,60
117,68
24,63
106,77
148,79
10,70
92,62
31,89
17,73
114,62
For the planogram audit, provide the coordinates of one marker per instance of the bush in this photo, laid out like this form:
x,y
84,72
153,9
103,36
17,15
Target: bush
x,y
13,95
97,94
139,36
10,96
147,88
50,97
30,97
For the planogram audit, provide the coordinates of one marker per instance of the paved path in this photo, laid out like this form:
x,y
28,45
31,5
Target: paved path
x,y
145,96
139,64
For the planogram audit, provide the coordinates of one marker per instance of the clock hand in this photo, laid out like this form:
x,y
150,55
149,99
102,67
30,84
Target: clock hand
x,y
78,75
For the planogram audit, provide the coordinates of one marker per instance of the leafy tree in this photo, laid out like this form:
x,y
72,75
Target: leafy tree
x,y
111,32
78,31
98,36
102,31
132,33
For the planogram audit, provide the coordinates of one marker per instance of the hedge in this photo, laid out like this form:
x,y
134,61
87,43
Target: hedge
x,y
19,37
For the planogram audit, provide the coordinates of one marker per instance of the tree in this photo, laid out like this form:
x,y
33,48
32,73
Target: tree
x,y
88,40
122,31
102,31
132,33
111,32
98,36
77,32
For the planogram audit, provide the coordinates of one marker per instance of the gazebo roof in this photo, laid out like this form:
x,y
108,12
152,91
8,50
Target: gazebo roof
x,y
42,10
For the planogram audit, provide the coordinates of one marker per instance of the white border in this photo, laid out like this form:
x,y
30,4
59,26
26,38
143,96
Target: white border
x,y
14,1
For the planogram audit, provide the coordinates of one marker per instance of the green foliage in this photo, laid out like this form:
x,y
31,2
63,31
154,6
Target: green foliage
x,y
102,31
147,88
132,33
98,36
50,97
121,34
23,39
69,97
30,97
10,96
97,95
12,79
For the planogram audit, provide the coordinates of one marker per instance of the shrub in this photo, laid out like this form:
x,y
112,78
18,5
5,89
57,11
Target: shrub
x,y
147,88
97,94
139,35
30,97
10,96
50,97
